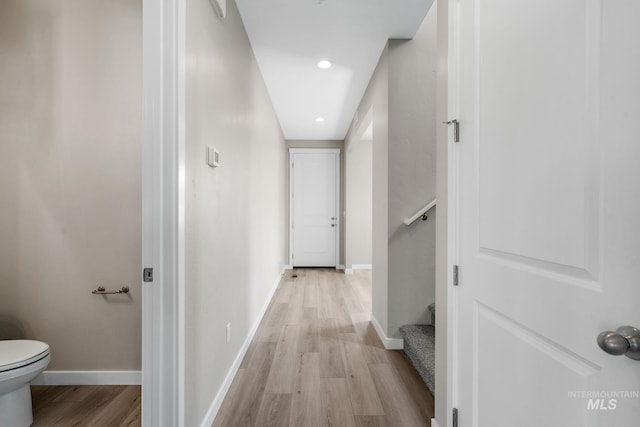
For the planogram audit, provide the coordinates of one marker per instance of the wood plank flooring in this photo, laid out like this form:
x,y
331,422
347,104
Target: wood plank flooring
x,y
75,406
316,361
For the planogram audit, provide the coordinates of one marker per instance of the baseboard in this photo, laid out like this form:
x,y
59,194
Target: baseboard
x,y
288,267
88,378
389,343
224,388
434,423
339,267
358,267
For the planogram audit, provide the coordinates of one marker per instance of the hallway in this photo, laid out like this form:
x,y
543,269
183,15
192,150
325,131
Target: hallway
x,y
317,361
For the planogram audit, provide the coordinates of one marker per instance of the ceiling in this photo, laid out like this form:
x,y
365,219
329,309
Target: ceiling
x,y
290,36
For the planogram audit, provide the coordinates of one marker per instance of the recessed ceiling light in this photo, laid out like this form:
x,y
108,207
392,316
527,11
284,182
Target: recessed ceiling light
x,y
324,64
319,119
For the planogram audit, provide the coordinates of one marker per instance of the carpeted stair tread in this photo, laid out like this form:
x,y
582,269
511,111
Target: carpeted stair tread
x,y
419,345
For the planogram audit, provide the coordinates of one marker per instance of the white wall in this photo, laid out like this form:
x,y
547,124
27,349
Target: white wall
x,y
234,213
412,175
359,199
70,120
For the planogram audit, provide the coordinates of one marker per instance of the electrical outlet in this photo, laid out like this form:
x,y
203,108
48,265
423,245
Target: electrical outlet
x,y
228,332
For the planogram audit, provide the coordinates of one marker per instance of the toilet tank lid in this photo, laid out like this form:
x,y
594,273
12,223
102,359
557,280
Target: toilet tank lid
x,y
14,353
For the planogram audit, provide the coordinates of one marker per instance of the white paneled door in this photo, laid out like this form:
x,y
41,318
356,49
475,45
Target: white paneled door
x,y
314,207
546,181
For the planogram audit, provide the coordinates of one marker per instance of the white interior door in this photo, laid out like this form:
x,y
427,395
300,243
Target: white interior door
x,y
547,202
314,202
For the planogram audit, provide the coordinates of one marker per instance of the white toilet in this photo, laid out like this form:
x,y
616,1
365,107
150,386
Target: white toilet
x,y
20,362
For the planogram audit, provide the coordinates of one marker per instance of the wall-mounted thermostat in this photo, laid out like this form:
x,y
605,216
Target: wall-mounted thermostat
x,y
213,157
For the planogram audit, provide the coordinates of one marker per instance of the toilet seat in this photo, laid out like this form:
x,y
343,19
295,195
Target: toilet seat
x,y
16,354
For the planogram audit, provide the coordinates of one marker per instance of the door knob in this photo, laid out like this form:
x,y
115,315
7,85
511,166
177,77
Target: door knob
x,y
625,340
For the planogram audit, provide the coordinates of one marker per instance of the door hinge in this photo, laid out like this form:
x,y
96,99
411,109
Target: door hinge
x,y
292,165
147,275
455,275
455,417
456,129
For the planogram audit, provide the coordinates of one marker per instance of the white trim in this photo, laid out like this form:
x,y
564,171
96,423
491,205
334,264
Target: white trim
x,y
88,378
335,151
434,423
338,209
288,267
450,348
224,388
314,150
180,325
163,184
290,208
389,343
358,267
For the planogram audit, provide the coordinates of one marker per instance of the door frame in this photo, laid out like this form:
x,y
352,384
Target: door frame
x,y
336,151
446,360
163,212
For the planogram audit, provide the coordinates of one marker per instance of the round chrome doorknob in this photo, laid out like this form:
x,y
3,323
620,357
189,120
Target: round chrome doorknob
x,y
613,343
625,340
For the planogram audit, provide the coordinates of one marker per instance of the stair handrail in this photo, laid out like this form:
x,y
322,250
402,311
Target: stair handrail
x,y
420,213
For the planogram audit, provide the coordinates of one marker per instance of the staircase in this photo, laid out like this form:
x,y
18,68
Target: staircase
x,y
419,346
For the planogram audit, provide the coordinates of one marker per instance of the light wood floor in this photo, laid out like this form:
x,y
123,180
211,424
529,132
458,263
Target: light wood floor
x,y
71,406
317,361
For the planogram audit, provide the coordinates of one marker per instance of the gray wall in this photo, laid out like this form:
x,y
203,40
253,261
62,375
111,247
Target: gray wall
x,y
70,123
412,175
234,213
402,95
359,197
376,99
318,143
